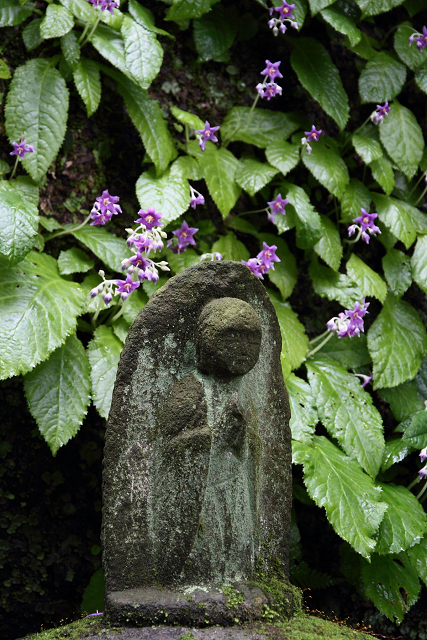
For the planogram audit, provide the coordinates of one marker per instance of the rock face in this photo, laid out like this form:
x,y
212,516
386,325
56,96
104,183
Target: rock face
x,y
197,467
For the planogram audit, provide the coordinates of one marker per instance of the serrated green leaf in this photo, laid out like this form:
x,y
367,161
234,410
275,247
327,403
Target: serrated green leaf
x,y
169,195
403,399
4,168
308,222
421,79
144,17
104,353
37,104
349,353
395,451
87,79
252,175
421,380
303,409
382,172
419,263
413,6
186,9
347,412
382,78
409,54
143,53
106,246
417,217
370,283
180,261
110,45
285,273
367,148
38,311
121,328
390,582
329,247
57,393
49,223
74,261
318,5
70,48
214,33
396,217
85,12
338,19
283,155
365,48
186,167
328,167
404,522
334,286
150,288
415,428
319,76
418,557
355,196
402,138
294,338
31,34
93,305
351,500
19,224
188,118
262,128
57,22
133,304
231,248
374,7
397,341
397,271
4,71
12,13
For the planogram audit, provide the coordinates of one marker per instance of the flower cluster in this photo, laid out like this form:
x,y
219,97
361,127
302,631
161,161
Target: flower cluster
x,y
21,148
211,256
268,88
195,198
108,5
349,323
423,458
365,226
104,209
264,260
277,206
379,114
419,38
311,136
285,15
185,238
208,133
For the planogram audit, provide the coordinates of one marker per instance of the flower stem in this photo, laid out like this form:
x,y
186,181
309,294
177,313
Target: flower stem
x,y
422,491
416,481
15,167
421,197
92,32
65,231
313,340
354,133
319,346
245,213
423,175
85,30
117,316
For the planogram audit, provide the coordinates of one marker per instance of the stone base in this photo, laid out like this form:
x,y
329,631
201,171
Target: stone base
x,y
196,606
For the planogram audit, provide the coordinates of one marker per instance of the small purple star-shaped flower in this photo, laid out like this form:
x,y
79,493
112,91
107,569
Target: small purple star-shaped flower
x,y
195,198
383,110
208,133
139,261
268,255
254,265
356,317
108,203
21,148
125,287
423,454
272,70
149,218
420,39
100,218
110,5
314,134
278,204
286,10
185,236
423,472
271,89
367,226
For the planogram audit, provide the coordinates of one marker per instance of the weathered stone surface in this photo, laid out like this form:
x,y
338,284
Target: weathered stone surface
x,y
197,466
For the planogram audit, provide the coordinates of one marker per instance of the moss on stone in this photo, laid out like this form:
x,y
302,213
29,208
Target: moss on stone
x,y
286,598
234,597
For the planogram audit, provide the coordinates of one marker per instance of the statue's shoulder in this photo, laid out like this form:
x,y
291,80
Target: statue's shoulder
x,y
185,407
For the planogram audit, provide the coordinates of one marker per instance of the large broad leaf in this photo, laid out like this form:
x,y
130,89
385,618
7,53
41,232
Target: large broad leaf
x,y
334,286
328,167
339,20
104,354
419,263
134,303
308,222
182,10
329,247
397,341
185,117
382,78
84,11
110,45
318,5
397,270
318,74
374,7
38,310
391,583
367,148
402,138
404,400
169,195
74,261
347,412
37,103
260,128
143,52
70,48
12,13
370,283
18,222
214,33
147,117
404,523
31,34
57,22
144,17
418,558
283,155
87,79
285,273
58,391
416,430
395,450
351,500
382,172
349,353
355,196
252,175
294,338
396,216
303,409
231,248
180,261
409,54
106,246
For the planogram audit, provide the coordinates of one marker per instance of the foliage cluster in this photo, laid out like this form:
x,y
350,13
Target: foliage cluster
x,y
352,466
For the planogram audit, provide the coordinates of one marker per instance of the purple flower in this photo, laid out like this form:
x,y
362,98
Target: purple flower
x,y
21,148
149,218
125,287
423,472
208,133
137,261
423,454
313,135
277,206
101,613
420,39
365,379
286,10
211,256
379,114
349,323
254,265
268,255
110,5
367,226
195,198
269,90
272,70
108,203
98,216
185,237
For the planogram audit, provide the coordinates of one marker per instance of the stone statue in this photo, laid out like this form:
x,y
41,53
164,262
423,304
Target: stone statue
x,y
197,468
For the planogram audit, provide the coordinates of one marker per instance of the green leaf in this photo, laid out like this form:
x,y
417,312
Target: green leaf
x,y
85,12
143,52
413,6
396,217
419,263
4,71
231,248
133,304
285,273
318,5
336,482
38,311
402,138
294,338
328,167
421,79
49,224
180,261
382,172
31,35
219,168
170,194
104,353
418,557
214,33
70,48
106,246
186,167
303,409
404,523
347,412
367,148
349,353
409,54
74,261
18,222
365,48
252,175
370,283
12,14
395,451
397,271
283,155
390,582
110,45
4,168
374,7
416,432
187,118
186,9
319,76
261,129
329,247
355,196
88,83
121,328
338,19
308,222
334,286
382,78
57,22
397,341
144,17
37,103
57,393
150,288
404,399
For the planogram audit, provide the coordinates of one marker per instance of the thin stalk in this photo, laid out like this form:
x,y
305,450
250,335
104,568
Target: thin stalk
x,y
92,32
421,197
245,213
117,316
423,175
416,481
356,238
246,122
319,346
84,32
354,133
63,233
422,491
313,340
15,167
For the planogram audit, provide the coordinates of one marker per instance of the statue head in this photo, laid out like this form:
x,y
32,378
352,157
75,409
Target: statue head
x,y
228,338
